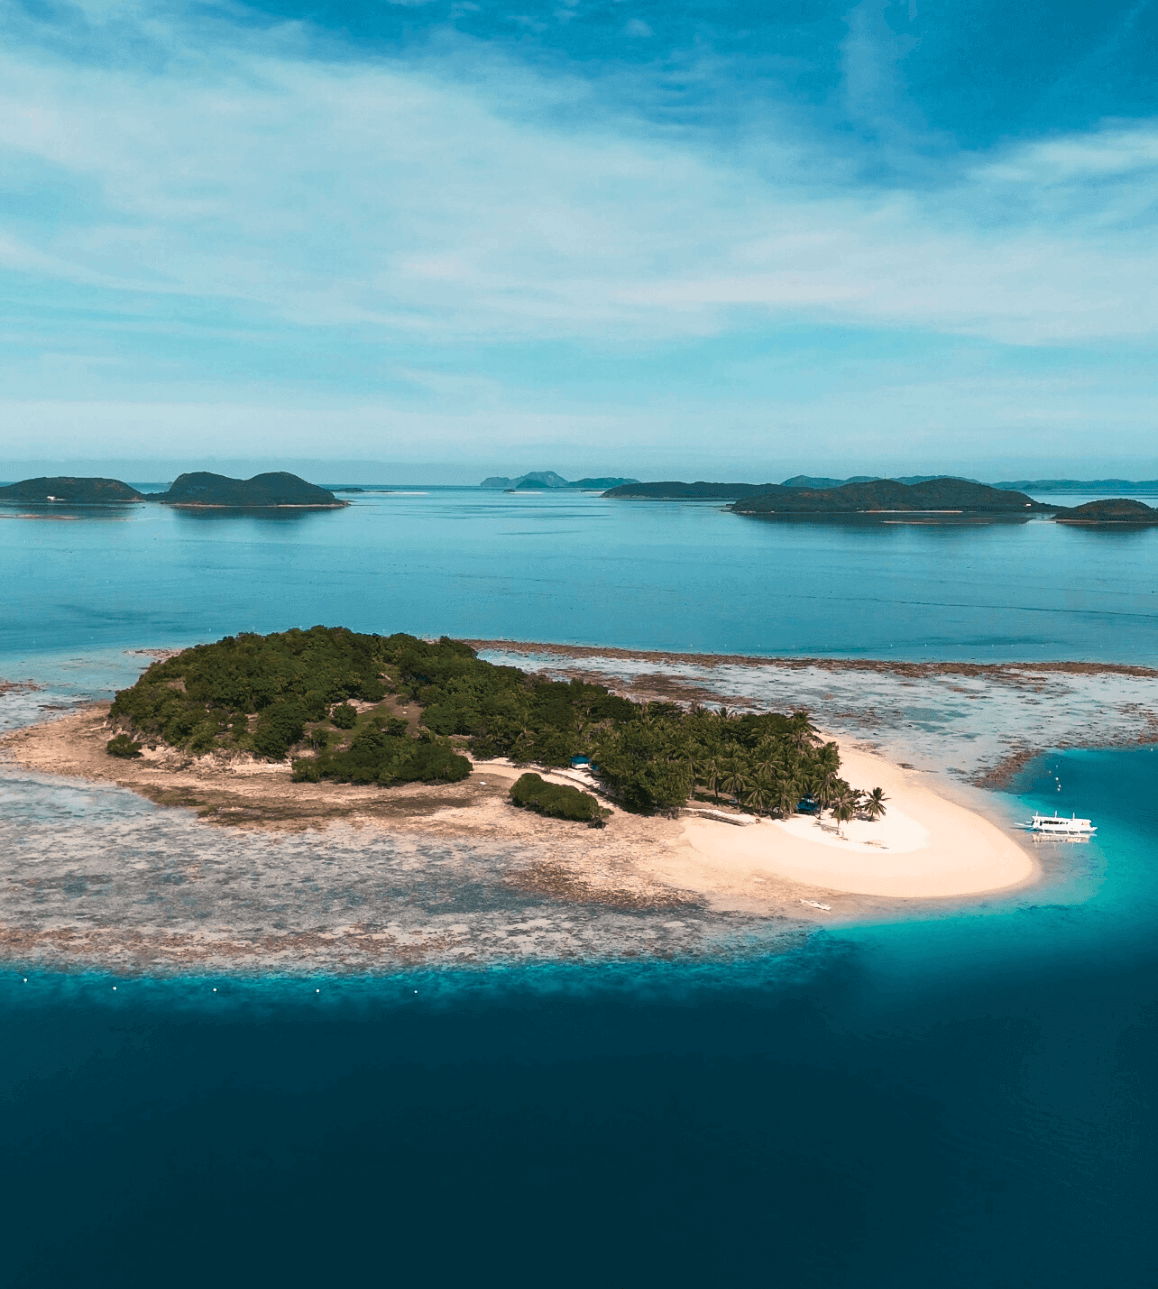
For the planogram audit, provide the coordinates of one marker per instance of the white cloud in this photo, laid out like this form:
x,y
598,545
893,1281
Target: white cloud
x,y
255,174
251,185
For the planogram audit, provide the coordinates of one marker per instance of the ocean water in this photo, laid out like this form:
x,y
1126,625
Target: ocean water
x,y
964,1098
579,569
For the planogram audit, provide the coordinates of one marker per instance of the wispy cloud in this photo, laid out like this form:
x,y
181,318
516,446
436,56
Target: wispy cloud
x,y
218,175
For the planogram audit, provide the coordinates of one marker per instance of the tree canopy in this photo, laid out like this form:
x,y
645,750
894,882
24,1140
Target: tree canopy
x,y
336,697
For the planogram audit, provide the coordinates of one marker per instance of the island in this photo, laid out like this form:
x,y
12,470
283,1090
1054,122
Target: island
x,y
74,491
275,489
1112,512
942,498
1081,485
540,480
406,797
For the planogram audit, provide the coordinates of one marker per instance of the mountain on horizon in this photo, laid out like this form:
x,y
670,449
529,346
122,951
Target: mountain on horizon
x,y
1081,485
540,479
819,482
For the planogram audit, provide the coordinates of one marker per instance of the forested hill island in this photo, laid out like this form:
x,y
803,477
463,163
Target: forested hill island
x,y
929,499
389,710
196,490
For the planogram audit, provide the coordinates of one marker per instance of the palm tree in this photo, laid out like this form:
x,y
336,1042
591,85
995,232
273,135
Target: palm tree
x,y
788,793
734,779
844,804
711,773
801,731
759,795
874,804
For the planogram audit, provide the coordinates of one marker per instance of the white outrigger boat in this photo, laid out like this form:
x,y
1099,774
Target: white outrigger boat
x,y
1058,826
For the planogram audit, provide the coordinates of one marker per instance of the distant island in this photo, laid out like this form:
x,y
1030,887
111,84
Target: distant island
x,y
277,488
933,497
814,481
540,480
1113,510
77,492
199,489
1081,485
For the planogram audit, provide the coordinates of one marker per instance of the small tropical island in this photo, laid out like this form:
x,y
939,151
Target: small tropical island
x,y
880,497
74,491
390,710
277,488
562,788
1112,512
199,489
931,499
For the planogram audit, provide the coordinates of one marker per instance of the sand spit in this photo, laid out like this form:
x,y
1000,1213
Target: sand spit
x,y
926,847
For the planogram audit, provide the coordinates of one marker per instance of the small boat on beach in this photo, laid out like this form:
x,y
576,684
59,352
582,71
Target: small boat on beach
x,y
1059,826
815,904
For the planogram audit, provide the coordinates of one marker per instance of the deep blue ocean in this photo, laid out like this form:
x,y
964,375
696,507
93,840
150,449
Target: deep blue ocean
x,y
966,1099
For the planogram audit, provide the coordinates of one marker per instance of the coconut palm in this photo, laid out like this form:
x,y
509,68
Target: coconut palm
x,y
711,773
844,804
873,805
801,731
789,790
735,778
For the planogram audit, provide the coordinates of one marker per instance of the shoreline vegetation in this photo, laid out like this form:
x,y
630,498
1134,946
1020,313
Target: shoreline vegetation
x,y
677,835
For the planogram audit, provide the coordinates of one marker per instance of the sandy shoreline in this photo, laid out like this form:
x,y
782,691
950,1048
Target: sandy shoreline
x,y
926,848
253,873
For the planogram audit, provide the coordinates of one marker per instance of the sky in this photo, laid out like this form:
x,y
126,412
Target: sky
x,y
703,240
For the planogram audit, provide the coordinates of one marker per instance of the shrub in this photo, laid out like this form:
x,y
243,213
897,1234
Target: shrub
x,y
441,719
533,793
385,757
344,716
122,745
371,690
430,763
278,729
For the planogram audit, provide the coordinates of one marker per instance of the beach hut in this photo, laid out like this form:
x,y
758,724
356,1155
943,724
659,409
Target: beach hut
x,y
580,763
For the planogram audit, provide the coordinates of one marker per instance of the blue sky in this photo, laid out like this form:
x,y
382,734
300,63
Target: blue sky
x,y
615,237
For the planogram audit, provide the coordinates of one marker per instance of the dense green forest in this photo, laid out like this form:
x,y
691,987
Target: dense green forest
x,y
269,695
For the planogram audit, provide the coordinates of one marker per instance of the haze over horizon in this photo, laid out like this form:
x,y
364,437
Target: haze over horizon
x,y
458,240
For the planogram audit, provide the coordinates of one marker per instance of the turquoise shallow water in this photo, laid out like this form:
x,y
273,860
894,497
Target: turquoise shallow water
x,y
580,569
962,1098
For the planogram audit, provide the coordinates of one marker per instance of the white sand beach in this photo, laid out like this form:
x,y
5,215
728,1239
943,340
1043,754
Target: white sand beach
x,y
926,846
